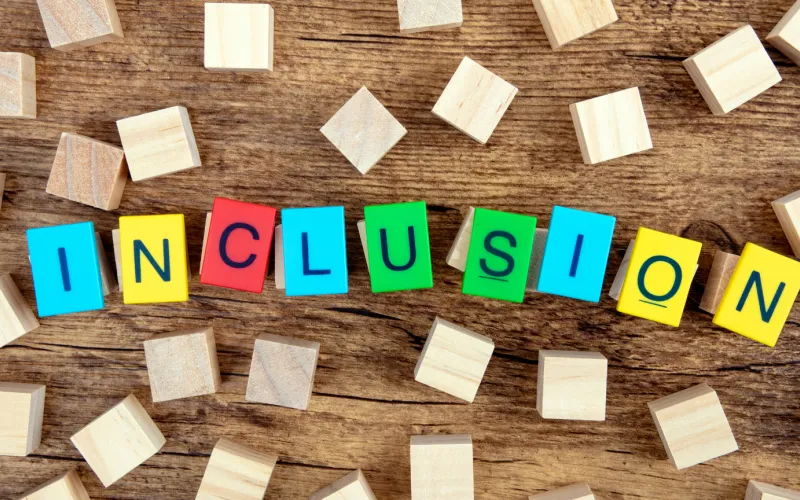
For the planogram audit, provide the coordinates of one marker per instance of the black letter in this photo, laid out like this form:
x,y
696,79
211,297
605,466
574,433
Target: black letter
x,y
487,245
223,244
412,257
139,248
306,265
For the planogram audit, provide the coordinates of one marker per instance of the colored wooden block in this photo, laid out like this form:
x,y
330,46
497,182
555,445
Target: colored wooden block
x,y
537,255
762,491
362,235
21,418
66,269
154,259
788,211
732,70
73,24
457,256
182,364
760,295
236,472
280,274
659,276
578,491
499,255
16,316
567,20
314,251
622,272
107,279
474,100
205,241
119,440
89,172
786,34
353,486
239,36
363,130
454,360
611,126
238,245
158,143
2,188
67,486
17,85
423,15
282,372
718,278
441,467
572,385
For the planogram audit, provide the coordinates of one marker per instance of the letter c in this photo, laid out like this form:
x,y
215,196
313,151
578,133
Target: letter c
x,y
223,245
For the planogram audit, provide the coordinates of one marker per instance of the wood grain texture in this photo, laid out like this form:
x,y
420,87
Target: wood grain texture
x,y
708,178
282,371
426,15
762,491
353,486
442,467
718,278
239,36
577,491
571,385
67,486
74,24
236,472
21,419
785,36
17,85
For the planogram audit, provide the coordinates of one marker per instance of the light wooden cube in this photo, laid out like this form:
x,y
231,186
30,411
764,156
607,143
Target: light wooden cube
x,y
16,316
611,126
239,36
441,467
362,235
21,414
424,15
721,270
67,486
107,278
205,240
117,256
2,188
282,371
788,211
236,471
732,70
474,100
567,20
572,385
158,143
353,486
578,491
363,130
693,426
457,256
622,272
537,255
119,440
454,360
762,491
786,34
72,24
280,276
17,85
182,364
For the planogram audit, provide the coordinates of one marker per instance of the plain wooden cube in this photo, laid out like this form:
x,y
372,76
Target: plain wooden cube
x,y
117,256
578,491
237,472
622,272
182,364
72,24
16,316
732,70
205,240
425,15
693,426
17,85
457,256
363,130
441,467
119,440
721,270
280,275
107,278
239,36
537,255
454,360
567,20
158,143
362,235
21,414
572,385
282,371
474,100
788,211
67,486
762,491
611,126
786,34
353,486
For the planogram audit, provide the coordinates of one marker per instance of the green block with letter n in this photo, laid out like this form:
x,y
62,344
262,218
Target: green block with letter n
x,y
398,246
499,255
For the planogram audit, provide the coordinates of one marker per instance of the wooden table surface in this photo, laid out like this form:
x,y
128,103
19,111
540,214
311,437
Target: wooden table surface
x,y
707,178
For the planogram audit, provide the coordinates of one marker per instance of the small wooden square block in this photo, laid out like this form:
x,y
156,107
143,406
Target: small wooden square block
x,y
572,385
362,235
353,486
424,15
17,85
72,24
158,143
718,278
788,211
67,486
567,20
239,36
457,256
732,70
117,256
280,275
236,472
537,255
16,316
22,410
762,491
119,440
107,278
622,272
579,491
693,426
441,467
282,372
205,240
786,34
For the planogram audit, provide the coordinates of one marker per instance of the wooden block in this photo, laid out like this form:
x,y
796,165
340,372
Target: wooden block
x,y
762,491
282,372
539,242
788,211
117,256
611,126
457,256
158,143
363,130
474,100
721,270
362,235
353,486
732,70
89,172
72,24
786,34
239,36
236,472
119,440
16,316
572,385
578,491
67,486
441,467
21,418
106,273
2,188
567,20
205,240
280,280
619,278
424,15
17,85
182,364
693,426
